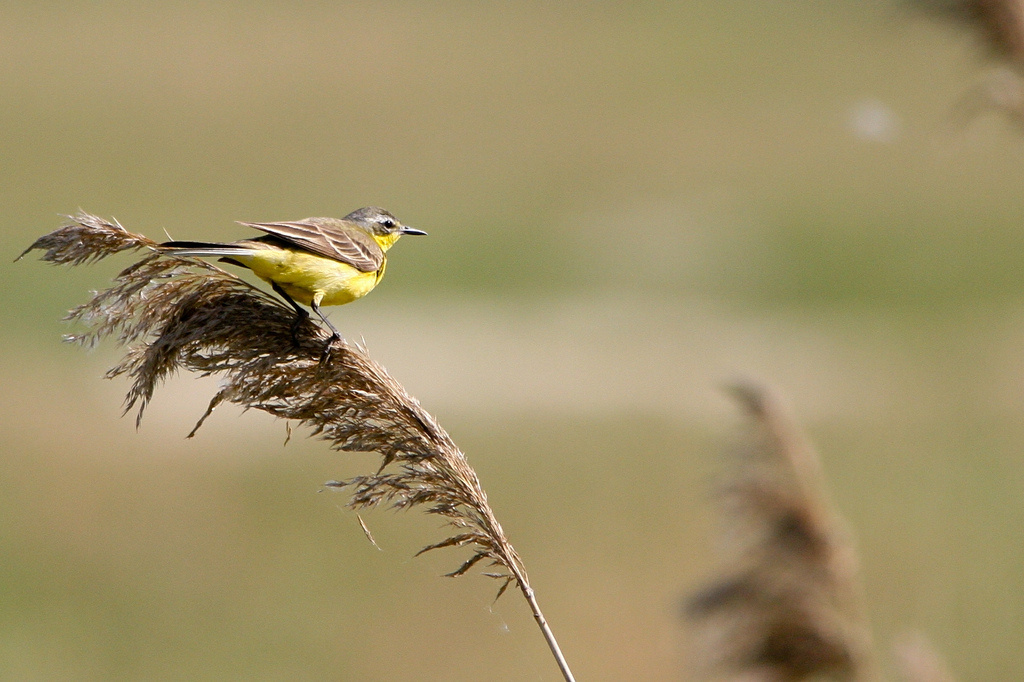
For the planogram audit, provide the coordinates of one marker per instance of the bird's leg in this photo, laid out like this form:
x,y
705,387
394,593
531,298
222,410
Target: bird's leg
x,y
335,334
300,312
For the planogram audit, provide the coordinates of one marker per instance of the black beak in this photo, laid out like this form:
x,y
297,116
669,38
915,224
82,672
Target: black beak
x,y
411,230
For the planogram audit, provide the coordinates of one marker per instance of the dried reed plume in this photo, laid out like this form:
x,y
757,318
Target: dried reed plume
x,y
788,604
998,26
183,313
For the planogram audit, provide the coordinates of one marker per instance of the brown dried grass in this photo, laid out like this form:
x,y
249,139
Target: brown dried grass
x,y
788,605
174,313
998,24
998,27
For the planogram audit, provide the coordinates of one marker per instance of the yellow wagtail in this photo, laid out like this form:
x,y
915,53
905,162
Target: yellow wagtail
x,y
315,261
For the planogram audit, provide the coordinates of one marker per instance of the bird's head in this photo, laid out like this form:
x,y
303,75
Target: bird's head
x,y
380,223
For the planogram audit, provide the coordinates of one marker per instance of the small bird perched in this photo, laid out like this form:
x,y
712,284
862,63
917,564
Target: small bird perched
x,y
315,261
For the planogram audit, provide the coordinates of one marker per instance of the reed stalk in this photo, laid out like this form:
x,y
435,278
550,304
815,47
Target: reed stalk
x,y
175,313
787,604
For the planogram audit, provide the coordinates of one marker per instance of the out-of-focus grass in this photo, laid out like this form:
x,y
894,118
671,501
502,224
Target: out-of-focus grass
x,y
695,196
507,131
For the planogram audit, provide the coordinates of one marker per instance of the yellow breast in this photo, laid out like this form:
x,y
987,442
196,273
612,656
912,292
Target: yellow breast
x,y
307,277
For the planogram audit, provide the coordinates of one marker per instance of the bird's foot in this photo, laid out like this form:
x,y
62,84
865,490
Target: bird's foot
x,y
325,355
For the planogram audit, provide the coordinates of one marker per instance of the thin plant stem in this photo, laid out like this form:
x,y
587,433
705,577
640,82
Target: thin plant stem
x,y
177,313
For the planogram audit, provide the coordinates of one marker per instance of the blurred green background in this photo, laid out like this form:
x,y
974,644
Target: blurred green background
x,y
701,191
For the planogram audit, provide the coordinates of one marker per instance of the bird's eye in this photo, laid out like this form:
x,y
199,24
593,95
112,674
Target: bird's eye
x,y
387,222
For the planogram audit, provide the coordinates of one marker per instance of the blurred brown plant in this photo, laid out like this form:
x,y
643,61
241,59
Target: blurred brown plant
x,y
998,26
787,605
183,313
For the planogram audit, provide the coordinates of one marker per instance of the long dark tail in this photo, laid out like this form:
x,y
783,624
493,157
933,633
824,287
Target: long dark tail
x,y
191,245
206,249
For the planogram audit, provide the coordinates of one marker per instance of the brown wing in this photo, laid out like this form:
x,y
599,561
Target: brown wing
x,y
329,237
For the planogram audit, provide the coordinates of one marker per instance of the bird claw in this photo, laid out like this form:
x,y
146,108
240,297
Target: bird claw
x,y
325,355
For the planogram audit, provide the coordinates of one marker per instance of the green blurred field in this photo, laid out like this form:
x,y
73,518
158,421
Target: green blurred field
x,y
703,191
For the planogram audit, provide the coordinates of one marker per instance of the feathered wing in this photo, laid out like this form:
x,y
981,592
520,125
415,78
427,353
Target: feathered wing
x,y
337,239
